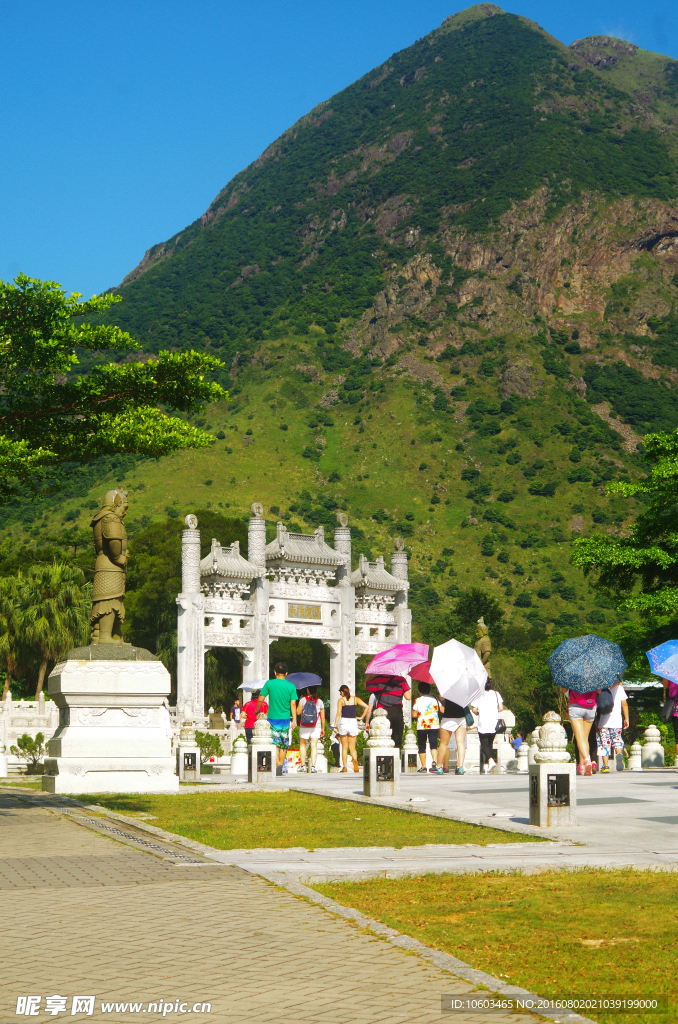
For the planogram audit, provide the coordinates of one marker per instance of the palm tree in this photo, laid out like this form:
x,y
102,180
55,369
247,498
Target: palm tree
x,y
11,631
56,604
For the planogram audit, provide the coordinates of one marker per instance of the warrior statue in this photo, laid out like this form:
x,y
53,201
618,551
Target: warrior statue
x,y
110,544
483,645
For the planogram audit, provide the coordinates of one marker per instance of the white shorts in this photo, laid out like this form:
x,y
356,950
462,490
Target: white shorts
x,y
452,724
310,732
348,727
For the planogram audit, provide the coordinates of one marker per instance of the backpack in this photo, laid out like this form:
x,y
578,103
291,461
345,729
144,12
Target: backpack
x,y
604,702
309,712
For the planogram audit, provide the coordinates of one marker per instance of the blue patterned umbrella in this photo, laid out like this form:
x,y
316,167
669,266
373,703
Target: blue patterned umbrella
x,y
587,663
664,660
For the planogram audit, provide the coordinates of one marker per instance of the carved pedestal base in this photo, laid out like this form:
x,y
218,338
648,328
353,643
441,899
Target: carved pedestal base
x,y
114,732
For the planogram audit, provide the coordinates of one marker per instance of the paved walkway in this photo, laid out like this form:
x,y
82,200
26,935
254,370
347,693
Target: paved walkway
x,y
85,914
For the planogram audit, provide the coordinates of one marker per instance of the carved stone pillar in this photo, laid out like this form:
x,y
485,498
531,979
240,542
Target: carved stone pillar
x,y
256,538
342,543
190,628
399,569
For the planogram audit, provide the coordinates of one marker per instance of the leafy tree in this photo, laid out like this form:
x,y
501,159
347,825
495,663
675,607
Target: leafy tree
x,y
32,750
476,603
53,412
641,571
210,746
11,628
56,604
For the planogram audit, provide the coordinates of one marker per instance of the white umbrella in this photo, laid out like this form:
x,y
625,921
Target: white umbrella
x,y
254,684
458,672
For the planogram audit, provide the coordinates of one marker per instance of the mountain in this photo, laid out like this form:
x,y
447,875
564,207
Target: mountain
x,y
446,301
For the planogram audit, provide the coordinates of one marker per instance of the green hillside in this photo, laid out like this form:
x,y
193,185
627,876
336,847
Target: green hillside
x,y
446,304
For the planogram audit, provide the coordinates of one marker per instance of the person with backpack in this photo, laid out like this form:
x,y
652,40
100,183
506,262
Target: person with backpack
x,y
390,691
346,724
311,712
609,732
426,711
582,712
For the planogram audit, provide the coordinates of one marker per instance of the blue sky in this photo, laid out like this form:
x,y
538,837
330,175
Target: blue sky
x,y
122,120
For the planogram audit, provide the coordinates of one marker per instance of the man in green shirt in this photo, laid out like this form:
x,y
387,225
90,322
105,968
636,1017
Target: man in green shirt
x,y
282,708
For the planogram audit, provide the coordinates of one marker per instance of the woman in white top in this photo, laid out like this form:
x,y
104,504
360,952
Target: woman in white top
x,y
487,708
346,724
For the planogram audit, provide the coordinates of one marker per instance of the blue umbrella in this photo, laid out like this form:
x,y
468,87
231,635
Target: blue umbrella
x,y
664,660
587,663
303,679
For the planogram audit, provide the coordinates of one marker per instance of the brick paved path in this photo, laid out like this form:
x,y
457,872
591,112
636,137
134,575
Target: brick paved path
x,y
85,915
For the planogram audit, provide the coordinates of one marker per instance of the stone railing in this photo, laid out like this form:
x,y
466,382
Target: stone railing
x,y
25,716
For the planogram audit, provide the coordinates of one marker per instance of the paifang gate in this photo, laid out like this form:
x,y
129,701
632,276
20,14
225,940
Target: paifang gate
x,y
296,586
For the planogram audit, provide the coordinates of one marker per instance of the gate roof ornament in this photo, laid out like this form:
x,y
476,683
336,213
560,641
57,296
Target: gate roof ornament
x,y
374,576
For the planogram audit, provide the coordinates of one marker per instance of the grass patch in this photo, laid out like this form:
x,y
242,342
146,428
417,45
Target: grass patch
x,y
22,782
558,934
234,821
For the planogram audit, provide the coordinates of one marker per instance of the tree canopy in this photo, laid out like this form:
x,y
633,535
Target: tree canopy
x,y
641,570
52,411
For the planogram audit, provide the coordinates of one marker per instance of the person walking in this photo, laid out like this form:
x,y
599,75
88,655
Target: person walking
x,y
609,732
311,712
453,724
235,712
389,691
487,708
582,712
282,710
346,725
249,712
672,689
426,712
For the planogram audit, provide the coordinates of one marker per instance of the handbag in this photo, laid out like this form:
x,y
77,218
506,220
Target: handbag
x,y
668,707
469,717
500,726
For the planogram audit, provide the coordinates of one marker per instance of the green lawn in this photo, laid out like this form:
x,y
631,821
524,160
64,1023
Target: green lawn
x,y
232,821
23,782
558,934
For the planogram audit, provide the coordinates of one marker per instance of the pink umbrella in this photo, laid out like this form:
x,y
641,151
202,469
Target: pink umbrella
x,y
398,660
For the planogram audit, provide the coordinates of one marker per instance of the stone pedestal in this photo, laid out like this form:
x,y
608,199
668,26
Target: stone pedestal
x,y
262,753
553,785
553,795
381,759
533,741
188,755
239,757
410,756
523,758
114,732
472,756
636,757
652,750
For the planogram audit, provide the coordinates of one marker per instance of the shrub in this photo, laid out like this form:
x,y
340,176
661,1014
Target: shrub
x,y
523,601
334,478
210,746
470,474
31,750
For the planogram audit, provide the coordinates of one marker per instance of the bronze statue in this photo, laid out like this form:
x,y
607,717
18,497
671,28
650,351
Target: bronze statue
x,y
110,544
483,645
